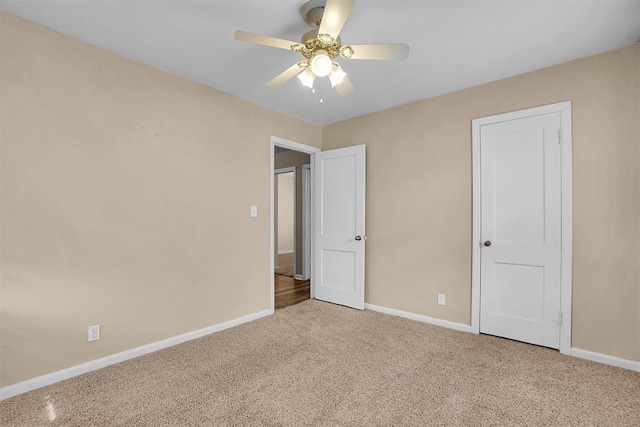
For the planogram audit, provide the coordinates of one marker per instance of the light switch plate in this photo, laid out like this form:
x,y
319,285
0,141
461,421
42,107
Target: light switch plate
x,y
254,211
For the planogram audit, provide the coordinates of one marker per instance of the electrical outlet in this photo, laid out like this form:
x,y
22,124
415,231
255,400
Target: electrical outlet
x,y
441,300
94,333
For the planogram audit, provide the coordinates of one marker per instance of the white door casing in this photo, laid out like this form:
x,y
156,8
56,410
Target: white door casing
x,y
306,222
339,179
522,282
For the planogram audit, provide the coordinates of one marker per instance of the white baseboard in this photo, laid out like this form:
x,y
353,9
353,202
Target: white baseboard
x,y
38,382
420,318
575,352
103,362
606,359
285,252
298,277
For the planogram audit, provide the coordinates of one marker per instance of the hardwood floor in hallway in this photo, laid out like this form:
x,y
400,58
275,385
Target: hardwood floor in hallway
x,y
289,291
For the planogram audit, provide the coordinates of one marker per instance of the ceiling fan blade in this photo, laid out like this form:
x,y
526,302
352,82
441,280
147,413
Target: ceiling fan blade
x,y
391,51
244,36
334,16
287,74
345,87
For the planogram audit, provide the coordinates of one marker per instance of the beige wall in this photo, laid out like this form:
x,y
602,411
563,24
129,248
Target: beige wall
x,y
116,207
285,213
295,159
116,203
419,195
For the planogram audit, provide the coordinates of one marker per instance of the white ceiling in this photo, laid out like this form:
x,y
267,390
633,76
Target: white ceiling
x,y
454,44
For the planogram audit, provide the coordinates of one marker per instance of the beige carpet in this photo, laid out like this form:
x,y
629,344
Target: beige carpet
x,y
324,365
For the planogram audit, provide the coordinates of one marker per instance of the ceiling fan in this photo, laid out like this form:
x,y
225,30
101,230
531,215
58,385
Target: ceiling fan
x,y
322,45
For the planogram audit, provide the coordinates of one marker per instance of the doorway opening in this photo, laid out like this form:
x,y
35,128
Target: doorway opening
x,y
292,284
291,266
285,220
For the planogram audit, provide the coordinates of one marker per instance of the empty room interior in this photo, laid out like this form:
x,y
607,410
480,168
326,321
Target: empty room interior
x,y
325,212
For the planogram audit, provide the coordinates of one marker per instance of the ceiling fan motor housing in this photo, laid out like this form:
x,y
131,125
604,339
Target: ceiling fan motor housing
x,y
313,34
312,12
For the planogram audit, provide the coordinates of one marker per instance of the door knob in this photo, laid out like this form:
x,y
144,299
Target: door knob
x,y
358,238
487,243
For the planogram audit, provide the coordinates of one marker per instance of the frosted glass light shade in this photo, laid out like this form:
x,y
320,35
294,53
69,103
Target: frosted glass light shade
x,y
307,77
321,64
337,75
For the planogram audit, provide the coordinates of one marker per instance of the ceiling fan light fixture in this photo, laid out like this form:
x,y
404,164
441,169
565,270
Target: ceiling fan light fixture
x,y
307,77
337,75
322,45
321,64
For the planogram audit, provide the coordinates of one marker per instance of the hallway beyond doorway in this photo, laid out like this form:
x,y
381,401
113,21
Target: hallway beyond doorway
x,y
289,291
285,265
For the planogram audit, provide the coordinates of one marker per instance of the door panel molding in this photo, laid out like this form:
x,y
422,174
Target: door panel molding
x,y
565,138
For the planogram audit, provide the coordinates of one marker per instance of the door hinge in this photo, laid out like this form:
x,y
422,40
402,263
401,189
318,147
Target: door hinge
x,y
559,318
560,137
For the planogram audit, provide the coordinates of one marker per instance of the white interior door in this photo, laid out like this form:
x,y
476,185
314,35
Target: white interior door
x,y
339,180
520,163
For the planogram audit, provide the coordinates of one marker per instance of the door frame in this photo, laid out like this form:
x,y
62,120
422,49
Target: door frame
x,y
292,145
306,225
565,138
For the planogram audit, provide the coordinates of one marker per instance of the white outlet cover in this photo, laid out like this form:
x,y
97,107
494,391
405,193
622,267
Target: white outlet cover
x,y
93,333
441,299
